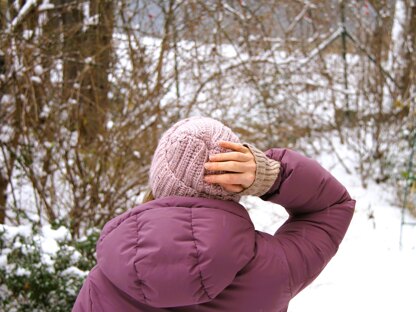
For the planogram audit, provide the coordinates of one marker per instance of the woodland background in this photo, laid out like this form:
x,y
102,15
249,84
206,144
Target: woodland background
x,y
87,87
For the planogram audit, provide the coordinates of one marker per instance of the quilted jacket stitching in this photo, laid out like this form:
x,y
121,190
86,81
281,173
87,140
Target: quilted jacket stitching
x,y
197,256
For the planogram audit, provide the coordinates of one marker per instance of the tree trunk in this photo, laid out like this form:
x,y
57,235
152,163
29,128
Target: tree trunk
x,y
403,45
72,19
3,198
95,86
409,55
3,181
3,9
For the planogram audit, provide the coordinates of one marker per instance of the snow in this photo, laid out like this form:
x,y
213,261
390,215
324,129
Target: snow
x,y
22,272
91,231
47,259
74,271
46,5
60,234
38,70
3,260
72,101
369,266
92,20
6,99
75,255
88,60
17,244
110,124
49,246
36,80
49,241
10,232
27,34
6,133
370,272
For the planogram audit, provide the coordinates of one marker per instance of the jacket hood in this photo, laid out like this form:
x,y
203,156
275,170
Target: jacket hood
x,y
176,251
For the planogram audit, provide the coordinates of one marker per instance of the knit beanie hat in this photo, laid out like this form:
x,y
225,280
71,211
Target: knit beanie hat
x,y
178,163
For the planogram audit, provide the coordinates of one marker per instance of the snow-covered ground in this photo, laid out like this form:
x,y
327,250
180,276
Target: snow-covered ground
x,y
369,272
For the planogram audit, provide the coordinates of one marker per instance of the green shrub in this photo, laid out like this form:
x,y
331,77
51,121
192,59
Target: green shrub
x,y
42,269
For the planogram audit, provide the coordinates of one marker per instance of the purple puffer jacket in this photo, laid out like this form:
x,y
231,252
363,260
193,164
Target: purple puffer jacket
x,y
195,254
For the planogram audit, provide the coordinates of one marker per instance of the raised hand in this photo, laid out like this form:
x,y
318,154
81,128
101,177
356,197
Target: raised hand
x,y
239,167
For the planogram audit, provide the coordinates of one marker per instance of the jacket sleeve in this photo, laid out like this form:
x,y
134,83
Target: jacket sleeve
x,y
320,211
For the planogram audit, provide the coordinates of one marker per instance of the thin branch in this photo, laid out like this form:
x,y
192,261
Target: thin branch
x,y
24,11
298,18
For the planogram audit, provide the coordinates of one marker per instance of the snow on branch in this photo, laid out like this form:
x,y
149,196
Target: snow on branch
x,y
233,11
23,12
322,46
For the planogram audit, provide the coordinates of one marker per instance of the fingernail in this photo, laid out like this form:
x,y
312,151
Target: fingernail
x,y
206,165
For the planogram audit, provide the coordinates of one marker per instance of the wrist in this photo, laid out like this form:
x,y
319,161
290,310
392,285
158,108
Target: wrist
x,y
267,171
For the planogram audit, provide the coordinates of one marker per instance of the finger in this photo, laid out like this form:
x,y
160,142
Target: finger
x,y
233,188
228,178
233,146
231,166
234,156
225,178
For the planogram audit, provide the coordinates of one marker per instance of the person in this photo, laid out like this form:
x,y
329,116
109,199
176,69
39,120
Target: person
x,y
192,247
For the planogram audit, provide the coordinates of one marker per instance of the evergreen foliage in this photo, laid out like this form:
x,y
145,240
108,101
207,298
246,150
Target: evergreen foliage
x,y
42,269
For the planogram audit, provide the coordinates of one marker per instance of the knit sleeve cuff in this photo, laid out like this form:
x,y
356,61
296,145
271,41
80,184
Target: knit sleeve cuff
x,y
267,171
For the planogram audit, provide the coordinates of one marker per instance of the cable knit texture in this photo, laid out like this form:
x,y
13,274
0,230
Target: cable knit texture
x,y
267,171
178,164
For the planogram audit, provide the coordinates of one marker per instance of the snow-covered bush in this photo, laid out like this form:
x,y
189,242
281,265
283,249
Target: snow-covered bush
x,y
42,267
